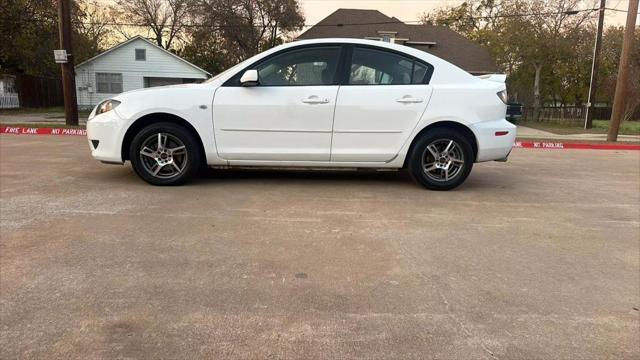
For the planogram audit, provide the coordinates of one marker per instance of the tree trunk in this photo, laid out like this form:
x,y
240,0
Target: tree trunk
x,y
159,38
274,34
536,92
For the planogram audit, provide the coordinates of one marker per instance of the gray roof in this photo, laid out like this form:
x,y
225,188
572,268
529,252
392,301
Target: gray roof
x,y
437,40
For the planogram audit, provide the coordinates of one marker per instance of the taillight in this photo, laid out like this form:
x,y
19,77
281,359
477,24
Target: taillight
x,y
503,96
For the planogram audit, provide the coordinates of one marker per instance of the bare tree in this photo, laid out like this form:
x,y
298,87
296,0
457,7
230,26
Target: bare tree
x,y
91,22
164,20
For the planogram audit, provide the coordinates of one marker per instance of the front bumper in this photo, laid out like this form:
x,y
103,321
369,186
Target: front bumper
x,y
493,144
106,130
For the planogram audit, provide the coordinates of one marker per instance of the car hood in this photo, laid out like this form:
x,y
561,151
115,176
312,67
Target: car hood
x,y
163,89
174,99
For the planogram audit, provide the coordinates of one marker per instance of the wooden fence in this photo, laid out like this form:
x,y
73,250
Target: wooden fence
x,y
37,91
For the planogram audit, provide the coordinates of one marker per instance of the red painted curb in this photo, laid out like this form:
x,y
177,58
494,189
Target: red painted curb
x,y
518,144
41,131
570,145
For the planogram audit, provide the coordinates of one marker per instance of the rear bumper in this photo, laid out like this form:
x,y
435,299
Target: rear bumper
x,y
492,144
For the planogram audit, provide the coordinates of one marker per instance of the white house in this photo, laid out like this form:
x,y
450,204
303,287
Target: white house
x,y
8,94
134,64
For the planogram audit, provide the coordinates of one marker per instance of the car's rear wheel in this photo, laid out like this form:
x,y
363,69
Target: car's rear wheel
x,y
164,154
441,159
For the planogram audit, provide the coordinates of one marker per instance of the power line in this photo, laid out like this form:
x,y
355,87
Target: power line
x,y
569,12
385,0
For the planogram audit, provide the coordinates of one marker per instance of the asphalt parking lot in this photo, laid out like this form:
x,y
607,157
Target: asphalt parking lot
x,y
535,258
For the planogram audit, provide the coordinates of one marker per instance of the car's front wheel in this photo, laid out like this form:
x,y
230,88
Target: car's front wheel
x,y
164,154
441,159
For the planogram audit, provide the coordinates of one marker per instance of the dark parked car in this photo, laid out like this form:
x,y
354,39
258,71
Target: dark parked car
x,y
514,112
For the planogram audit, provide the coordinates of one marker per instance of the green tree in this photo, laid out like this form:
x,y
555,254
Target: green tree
x,y
230,31
209,50
538,51
30,34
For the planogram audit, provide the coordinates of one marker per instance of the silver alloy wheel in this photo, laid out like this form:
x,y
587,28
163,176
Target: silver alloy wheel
x,y
443,160
163,155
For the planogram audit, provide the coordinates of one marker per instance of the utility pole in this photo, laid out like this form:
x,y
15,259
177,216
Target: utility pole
x,y
68,73
593,84
619,100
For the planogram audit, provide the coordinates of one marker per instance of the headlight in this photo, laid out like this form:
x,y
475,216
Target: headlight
x,y
503,96
107,106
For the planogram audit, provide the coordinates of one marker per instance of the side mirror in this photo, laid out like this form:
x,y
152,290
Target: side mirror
x,y
249,78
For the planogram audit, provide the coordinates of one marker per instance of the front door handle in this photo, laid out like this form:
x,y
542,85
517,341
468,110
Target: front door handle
x,y
407,99
313,99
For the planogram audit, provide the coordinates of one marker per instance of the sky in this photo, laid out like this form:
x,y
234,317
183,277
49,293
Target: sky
x,y
410,10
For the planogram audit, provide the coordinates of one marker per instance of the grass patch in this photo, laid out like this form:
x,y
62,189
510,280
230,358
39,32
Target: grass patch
x,y
599,127
626,128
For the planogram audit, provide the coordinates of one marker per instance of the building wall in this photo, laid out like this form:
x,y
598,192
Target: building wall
x,y
122,60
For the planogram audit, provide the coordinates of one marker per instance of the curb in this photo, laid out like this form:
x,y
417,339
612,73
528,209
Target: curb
x,y
554,145
18,130
551,145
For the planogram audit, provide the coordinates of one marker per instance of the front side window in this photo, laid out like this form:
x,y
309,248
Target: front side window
x,y
304,67
377,67
109,83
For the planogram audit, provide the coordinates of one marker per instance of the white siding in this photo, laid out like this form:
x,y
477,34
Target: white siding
x,y
122,60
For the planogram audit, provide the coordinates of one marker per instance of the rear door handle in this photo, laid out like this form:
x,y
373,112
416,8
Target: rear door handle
x,y
409,100
313,99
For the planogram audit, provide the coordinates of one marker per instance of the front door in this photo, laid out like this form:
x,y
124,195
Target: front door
x,y
288,116
379,106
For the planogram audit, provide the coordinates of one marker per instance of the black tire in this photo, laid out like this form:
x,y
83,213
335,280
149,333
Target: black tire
x,y
184,163
435,137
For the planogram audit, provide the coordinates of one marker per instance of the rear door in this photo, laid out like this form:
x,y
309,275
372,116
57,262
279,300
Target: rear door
x,y
383,99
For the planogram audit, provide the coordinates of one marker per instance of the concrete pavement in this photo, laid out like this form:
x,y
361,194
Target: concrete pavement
x,y
534,258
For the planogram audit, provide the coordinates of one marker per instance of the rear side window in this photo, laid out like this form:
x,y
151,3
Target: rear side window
x,y
377,67
420,71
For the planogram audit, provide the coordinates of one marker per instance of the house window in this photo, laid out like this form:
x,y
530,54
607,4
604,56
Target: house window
x,y
141,54
109,83
386,38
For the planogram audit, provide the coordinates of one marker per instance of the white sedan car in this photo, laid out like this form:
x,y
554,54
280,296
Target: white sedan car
x,y
316,103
